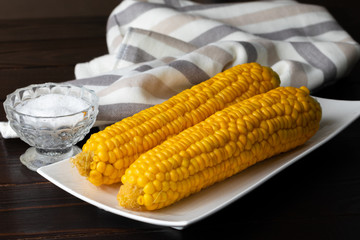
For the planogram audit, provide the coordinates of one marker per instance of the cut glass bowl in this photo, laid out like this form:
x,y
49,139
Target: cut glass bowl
x,y
52,136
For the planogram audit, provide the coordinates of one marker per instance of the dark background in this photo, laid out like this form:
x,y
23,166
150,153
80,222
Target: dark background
x,y
316,198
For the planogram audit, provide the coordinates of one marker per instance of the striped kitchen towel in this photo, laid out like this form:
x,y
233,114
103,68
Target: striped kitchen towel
x,y
158,48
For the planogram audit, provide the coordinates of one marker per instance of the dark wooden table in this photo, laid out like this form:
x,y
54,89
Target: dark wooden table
x,y
316,198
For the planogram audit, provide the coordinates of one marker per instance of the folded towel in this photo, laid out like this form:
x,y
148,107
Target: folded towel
x,y
6,131
158,48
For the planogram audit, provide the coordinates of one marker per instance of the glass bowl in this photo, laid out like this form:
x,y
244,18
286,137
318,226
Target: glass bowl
x,y
51,118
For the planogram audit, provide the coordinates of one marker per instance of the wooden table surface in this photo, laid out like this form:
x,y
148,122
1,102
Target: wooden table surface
x,y
318,197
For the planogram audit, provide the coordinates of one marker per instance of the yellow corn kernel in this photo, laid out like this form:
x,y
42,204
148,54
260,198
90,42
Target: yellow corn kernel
x,y
126,140
271,133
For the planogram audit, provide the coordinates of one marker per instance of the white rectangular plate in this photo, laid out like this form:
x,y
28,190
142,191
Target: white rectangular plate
x,y
336,116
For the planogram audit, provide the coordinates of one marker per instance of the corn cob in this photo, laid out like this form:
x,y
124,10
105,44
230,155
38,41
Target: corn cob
x,y
108,153
224,144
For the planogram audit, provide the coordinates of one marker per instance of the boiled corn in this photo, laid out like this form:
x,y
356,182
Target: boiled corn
x,y
108,153
224,144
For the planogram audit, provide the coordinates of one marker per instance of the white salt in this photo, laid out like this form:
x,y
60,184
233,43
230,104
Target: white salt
x,y
52,105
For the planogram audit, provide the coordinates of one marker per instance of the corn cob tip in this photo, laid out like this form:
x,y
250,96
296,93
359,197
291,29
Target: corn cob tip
x,y
305,89
274,76
82,162
128,196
